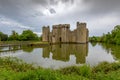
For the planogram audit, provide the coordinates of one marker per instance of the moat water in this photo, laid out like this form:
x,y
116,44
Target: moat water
x,y
64,55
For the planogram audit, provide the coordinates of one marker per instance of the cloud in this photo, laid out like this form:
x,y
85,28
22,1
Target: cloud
x,y
103,24
38,33
11,23
25,14
103,6
52,11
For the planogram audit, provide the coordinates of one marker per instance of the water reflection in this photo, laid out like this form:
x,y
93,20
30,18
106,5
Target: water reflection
x,y
16,48
63,51
112,48
93,44
28,49
63,55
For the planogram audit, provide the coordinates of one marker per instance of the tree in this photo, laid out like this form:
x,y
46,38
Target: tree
x,y
13,36
113,37
28,35
3,37
116,34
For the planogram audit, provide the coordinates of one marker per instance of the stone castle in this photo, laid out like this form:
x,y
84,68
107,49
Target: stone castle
x,y
62,34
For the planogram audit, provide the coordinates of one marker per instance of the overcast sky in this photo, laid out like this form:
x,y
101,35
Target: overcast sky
x,y
100,15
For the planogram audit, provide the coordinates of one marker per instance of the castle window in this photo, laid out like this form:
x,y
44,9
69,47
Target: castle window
x,y
53,35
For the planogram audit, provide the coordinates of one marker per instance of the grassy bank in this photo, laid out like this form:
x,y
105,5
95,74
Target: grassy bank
x,y
24,42
14,69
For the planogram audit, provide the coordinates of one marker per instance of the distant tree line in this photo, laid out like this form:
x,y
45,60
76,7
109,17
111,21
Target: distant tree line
x,y
111,37
27,35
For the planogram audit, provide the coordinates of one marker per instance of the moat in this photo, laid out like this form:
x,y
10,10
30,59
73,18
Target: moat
x,y
63,55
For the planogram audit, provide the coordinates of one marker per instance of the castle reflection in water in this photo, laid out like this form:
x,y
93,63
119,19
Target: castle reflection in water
x,y
63,51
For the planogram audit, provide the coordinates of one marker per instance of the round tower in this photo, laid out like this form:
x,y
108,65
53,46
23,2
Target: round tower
x,y
45,35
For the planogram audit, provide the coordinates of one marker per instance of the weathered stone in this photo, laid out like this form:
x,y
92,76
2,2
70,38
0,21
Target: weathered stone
x,y
62,34
45,35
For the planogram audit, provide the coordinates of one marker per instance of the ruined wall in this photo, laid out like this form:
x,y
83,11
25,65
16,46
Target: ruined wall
x,y
45,35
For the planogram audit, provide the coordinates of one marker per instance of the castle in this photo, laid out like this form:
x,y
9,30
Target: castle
x,y
62,34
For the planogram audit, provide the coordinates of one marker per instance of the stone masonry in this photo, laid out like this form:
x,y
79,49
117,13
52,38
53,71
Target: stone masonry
x,y
62,34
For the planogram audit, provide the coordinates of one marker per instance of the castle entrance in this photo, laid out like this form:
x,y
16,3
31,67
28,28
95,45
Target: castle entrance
x,y
60,39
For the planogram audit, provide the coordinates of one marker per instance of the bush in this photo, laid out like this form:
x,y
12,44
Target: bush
x,y
106,67
82,70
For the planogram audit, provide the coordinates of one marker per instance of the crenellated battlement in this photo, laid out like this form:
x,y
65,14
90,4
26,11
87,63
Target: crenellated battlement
x,y
61,26
46,27
81,25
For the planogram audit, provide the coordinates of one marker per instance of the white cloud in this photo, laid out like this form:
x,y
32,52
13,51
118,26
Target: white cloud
x,y
103,24
98,14
11,23
38,33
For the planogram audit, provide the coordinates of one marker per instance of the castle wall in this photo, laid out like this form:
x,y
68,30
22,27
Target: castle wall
x,y
72,36
50,37
87,38
56,34
61,34
65,33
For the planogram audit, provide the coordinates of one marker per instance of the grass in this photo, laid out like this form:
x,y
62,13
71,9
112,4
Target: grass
x,y
19,42
84,70
14,69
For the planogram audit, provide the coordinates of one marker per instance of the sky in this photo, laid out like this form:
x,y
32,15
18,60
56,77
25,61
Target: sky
x,y
100,15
